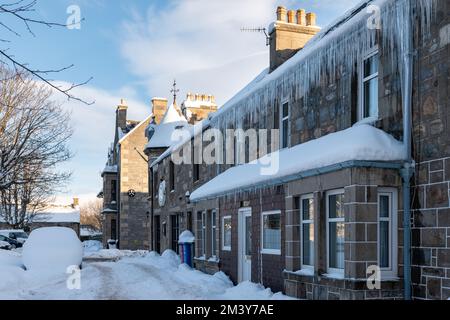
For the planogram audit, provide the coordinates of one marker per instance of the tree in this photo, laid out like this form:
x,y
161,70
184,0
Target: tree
x,y
91,214
34,132
24,11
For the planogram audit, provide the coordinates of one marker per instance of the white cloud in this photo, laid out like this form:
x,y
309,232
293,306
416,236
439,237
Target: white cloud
x,y
199,42
94,133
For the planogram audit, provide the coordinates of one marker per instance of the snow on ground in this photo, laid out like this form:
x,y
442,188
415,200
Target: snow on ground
x,y
137,275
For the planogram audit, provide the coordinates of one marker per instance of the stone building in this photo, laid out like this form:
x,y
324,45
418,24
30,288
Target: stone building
x,y
161,135
125,184
358,108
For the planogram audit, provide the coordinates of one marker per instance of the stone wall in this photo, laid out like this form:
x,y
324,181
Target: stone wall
x,y
360,187
134,209
431,124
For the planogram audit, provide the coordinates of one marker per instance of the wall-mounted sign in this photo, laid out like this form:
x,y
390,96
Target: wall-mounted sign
x,y
162,193
131,193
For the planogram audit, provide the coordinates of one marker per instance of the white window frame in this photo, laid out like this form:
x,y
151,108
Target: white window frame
x,y
391,271
224,247
213,234
282,119
333,271
269,251
203,234
362,81
304,266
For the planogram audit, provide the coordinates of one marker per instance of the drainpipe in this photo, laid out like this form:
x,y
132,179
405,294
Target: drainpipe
x,y
408,167
152,246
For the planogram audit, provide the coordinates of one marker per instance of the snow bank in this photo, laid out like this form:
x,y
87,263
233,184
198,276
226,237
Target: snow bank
x,y
360,142
10,259
251,291
92,246
52,249
186,237
114,254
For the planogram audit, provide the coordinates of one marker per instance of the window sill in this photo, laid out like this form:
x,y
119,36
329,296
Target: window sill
x,y
305,272
368,120
334,275
227,249
271,252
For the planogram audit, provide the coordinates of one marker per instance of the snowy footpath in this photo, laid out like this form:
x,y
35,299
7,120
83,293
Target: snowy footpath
x,y
136,275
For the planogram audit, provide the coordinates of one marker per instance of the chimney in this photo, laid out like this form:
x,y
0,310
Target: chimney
x,y
159,107
311,19
301,17
121,115
289,34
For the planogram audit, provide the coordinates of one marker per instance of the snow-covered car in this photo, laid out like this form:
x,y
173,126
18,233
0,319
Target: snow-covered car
x,y
52,249
18,235
5,245
14,243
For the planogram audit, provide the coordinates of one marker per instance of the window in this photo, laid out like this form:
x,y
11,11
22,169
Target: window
x,y
369,87
226,233
284,125
155,182
335,231
157,234
271,232
189,221
213,233
172,175
203,245
175,231
387,232
195,164
113,229
113,190
307,231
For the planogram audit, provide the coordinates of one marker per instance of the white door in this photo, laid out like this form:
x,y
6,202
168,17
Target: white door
x,y
245,245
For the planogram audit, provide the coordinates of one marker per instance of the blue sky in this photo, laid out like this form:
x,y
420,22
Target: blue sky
x,y
134,49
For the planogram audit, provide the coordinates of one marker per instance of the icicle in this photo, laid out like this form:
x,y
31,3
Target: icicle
x,y
333,51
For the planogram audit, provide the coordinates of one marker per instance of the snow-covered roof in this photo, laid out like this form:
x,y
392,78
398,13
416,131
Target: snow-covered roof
x,y
59,214
360,142
173,120
135,128
191,131
110,169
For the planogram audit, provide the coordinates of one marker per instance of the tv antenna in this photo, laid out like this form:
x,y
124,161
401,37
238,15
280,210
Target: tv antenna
x,y
259,30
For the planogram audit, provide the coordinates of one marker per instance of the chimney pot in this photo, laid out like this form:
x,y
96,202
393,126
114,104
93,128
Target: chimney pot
x,y
301,17
291,16
310,19
281,13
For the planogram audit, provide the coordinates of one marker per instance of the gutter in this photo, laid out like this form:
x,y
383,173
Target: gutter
x,y
307,174
408,167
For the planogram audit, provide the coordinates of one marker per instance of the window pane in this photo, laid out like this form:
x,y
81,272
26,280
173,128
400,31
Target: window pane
x,y
285,110
371,98
248,236
308,209
308,244
227,232
384,207
272,232
285,133
384,244
336,206
336,245
371,66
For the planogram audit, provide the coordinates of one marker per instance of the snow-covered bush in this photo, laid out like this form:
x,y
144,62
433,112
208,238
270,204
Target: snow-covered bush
x,y
52,249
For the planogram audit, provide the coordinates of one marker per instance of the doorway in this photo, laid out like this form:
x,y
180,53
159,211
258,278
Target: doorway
x,y
245,245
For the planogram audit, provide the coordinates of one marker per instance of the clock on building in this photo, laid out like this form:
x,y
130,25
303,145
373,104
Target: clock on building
x,y
162,194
